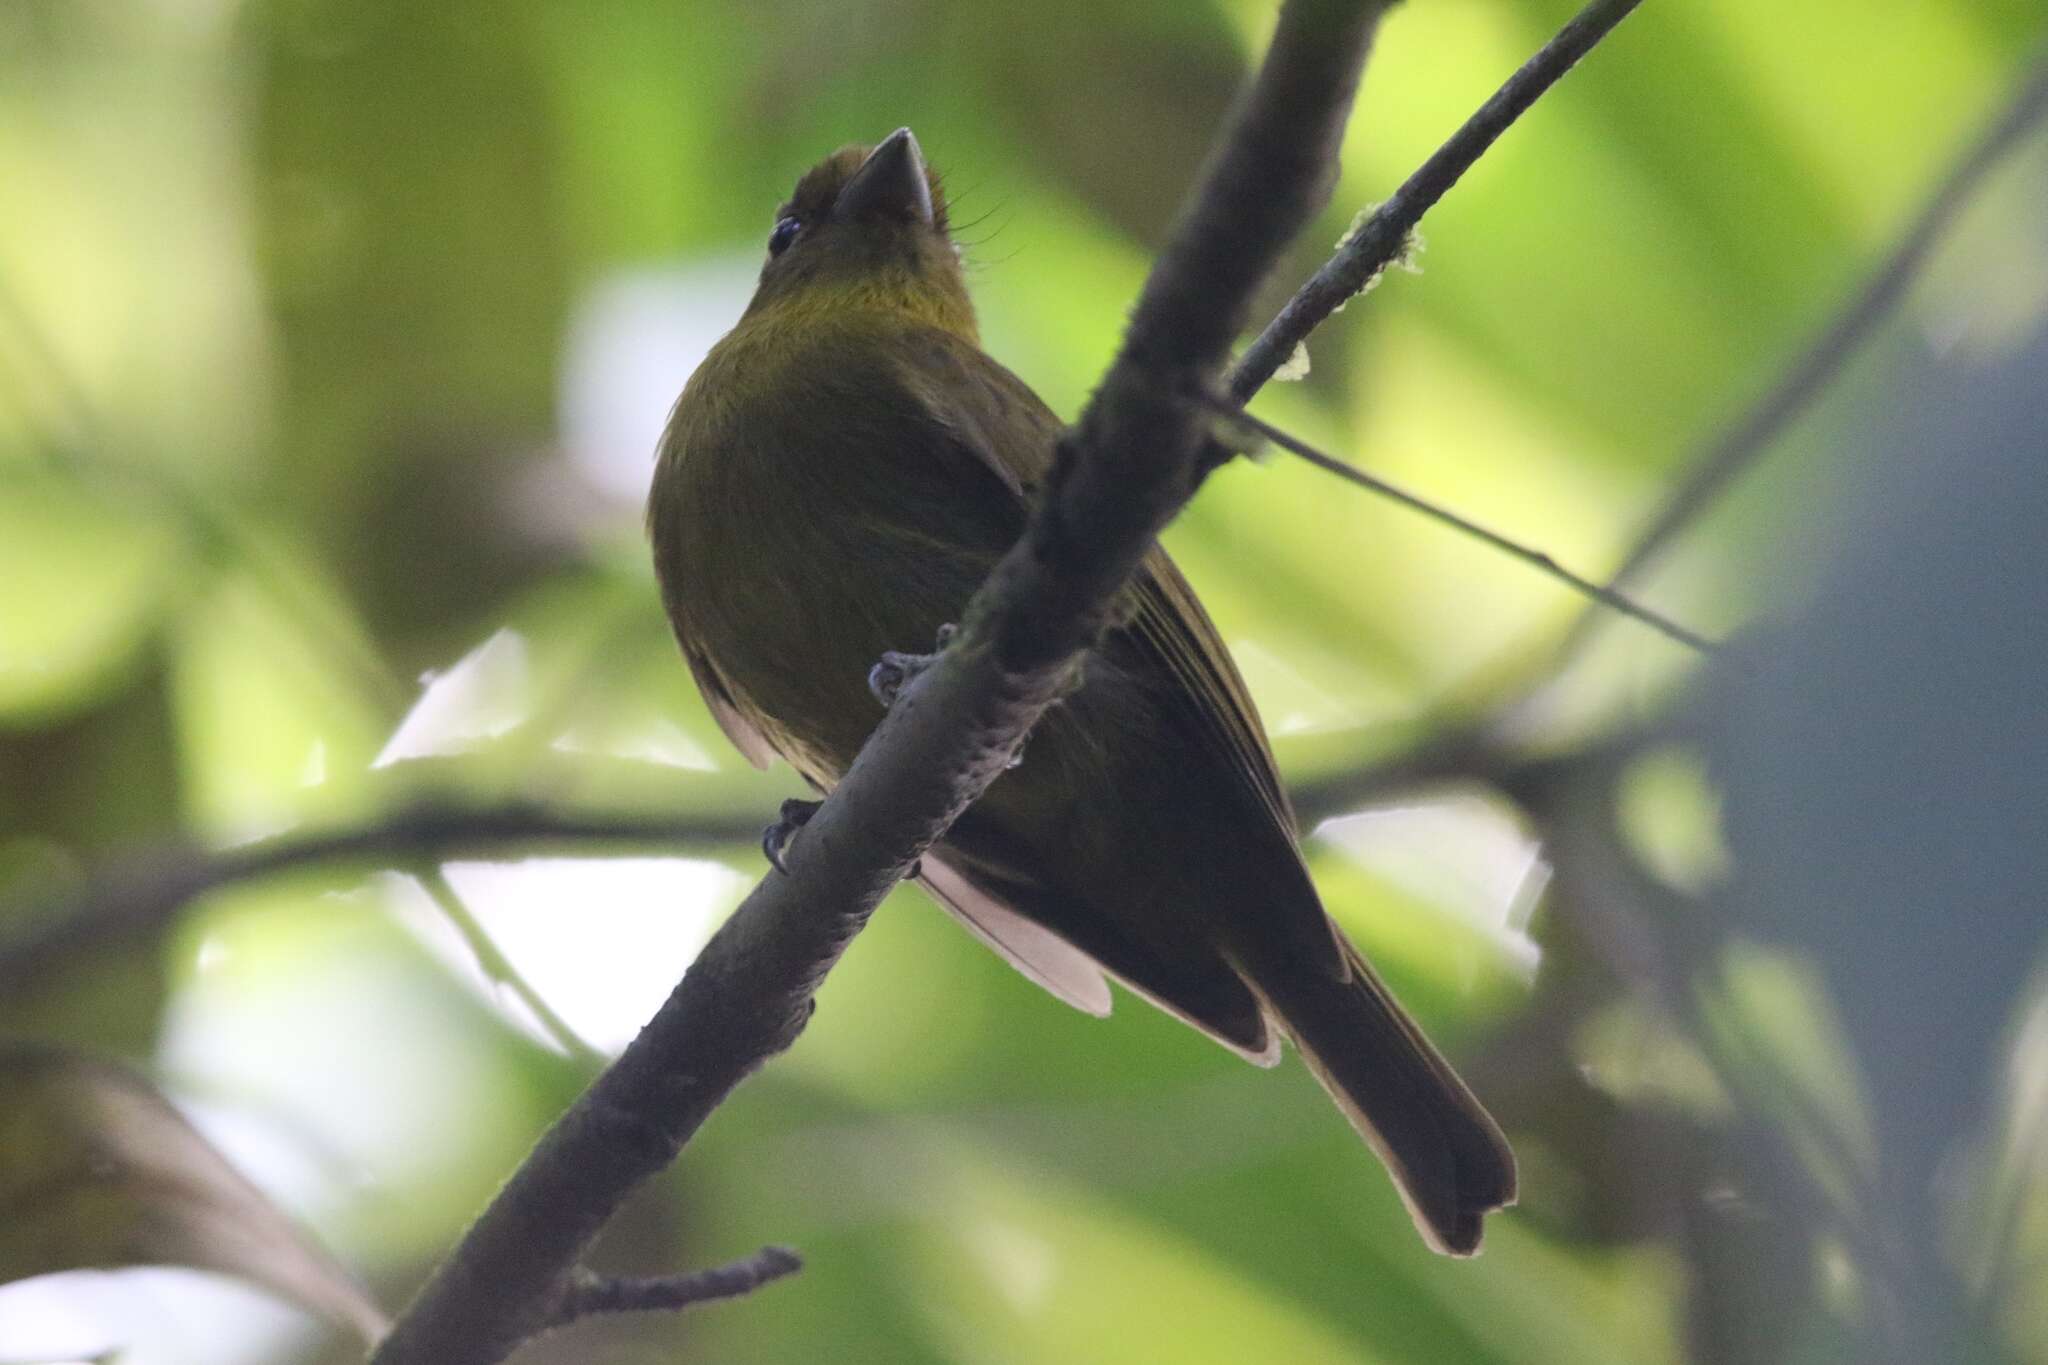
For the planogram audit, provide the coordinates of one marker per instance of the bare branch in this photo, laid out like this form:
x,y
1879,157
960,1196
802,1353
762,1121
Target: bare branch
x,y
1378,240
136,896
1445,756
1740,444
1120,475
588,1296
1477,752
1585,586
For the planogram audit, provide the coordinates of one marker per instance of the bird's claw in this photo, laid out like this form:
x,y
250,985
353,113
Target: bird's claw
x,y
897,669
796,813
893,673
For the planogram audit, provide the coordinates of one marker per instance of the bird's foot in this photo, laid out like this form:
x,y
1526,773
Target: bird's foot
x,y
888,678
796,814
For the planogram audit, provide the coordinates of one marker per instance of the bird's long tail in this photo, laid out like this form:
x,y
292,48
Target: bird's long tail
x,y
1447,1156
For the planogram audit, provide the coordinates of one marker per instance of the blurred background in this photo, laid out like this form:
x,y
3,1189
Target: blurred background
x,y
335,338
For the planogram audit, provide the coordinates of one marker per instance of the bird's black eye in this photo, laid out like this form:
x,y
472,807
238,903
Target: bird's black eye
x,y
785,232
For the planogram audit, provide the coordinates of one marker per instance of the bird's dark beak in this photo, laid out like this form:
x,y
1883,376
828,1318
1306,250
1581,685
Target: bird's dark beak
x,y
891,183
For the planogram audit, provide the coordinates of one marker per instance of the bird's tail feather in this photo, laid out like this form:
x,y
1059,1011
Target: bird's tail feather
x,y
1444,1151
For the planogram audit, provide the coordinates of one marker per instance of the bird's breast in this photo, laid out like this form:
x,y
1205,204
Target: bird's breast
x,y
803,526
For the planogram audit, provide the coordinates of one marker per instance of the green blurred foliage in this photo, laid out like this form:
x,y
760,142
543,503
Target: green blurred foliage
x,y
299,303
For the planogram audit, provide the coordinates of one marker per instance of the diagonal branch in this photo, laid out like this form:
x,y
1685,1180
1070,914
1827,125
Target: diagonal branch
x,y
1377,241
1120,475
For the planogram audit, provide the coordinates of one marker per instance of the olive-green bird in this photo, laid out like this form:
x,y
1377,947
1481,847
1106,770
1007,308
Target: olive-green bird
x,y
838,477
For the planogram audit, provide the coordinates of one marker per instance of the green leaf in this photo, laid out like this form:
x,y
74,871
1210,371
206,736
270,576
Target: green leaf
x,y
81,585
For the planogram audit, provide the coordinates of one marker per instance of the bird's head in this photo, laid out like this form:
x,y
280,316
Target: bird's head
x,y
866,228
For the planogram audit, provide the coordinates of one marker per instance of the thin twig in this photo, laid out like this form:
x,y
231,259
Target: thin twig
x,y
1585,586
1132,462
588,1296
1741,443
1377,241
497,968
1474,753
136,895
1443,755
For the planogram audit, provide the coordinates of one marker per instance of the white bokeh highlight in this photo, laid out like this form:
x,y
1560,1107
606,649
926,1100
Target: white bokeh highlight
x,y
634,339
602,941
488,693
1463,854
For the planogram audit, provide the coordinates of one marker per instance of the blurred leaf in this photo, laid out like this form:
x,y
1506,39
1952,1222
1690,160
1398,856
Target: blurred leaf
x,y
129,319
631,150
1671,819
411,242
1769,1018
1026,1267
588,701
1639,1056
1162,73
71,792
307,1000
479,697
82,583
2001,1228
98,1171
272,719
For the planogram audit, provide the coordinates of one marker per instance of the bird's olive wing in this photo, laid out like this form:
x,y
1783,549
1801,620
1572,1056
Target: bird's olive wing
x,y
1173,628
1003,423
